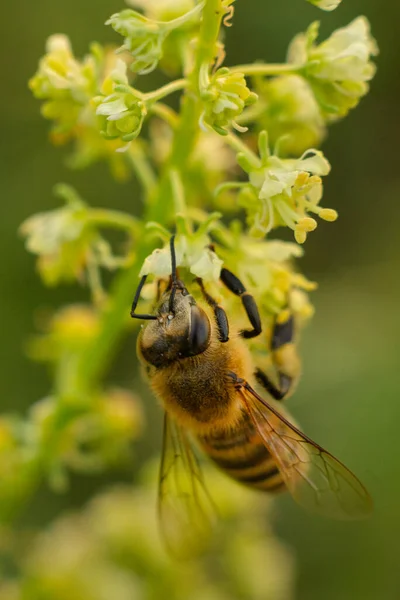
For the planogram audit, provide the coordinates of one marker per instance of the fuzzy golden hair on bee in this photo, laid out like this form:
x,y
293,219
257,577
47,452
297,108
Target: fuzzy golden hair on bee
x,y
200,367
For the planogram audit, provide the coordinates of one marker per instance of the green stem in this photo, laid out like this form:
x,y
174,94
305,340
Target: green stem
x,y
178,192
104,217
165,90
142,169
94,282
166,113
209,32
265,69
236,143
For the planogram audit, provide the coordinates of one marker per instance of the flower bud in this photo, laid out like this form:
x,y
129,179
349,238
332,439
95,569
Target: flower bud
x,y
224,100
122,112
65,83
143,39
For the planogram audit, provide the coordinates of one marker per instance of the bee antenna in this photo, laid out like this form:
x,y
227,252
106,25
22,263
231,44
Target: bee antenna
x,y
173,275
173,260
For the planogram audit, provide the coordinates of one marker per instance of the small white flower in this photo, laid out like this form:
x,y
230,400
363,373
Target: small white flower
x,y
192,253
339,68
283,191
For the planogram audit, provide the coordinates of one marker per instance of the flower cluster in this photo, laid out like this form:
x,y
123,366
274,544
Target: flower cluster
x,y
112,549
68,86
97,433
281,192
61,240
339,68
76,428
192,252
121,108
267,265
64,83
225,97
144,37
67,240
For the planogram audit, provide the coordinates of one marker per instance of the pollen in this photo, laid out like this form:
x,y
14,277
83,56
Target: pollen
x,y
307,224
328,214
300,235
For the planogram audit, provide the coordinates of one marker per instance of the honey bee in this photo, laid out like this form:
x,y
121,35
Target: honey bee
x,y
205,379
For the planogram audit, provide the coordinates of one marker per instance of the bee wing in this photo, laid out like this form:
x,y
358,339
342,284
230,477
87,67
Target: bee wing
x,y
186,511
315,479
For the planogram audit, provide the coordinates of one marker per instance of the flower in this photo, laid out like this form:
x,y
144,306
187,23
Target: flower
x,y
339,68
283,191
66,240
292,116
145,35
266,266
143,38
60,238
67,332
192,250
327,5
224,98
121,109
67,86
64,82
192,253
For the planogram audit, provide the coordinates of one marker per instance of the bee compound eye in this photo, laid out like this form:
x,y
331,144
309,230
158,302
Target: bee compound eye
x,y
200,331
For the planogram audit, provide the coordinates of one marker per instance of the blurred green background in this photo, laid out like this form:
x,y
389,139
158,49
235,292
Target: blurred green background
x,y
348,397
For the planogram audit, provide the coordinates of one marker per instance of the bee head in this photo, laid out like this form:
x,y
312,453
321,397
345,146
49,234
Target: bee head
x,y
179,329
185,331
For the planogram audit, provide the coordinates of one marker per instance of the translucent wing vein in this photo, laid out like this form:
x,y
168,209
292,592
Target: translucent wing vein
x,y
316,480
186,510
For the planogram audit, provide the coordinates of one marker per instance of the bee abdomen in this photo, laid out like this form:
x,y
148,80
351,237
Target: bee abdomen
x,y
243,456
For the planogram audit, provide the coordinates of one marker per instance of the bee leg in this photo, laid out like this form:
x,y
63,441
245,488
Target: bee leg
x,y
136,300
277,393
220,315
284,358
249,304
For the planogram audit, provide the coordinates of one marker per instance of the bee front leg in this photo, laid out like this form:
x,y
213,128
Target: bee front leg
x,y
284,357
134,315
249,304
220,315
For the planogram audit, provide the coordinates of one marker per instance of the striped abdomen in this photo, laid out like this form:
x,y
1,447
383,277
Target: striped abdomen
x,y
242,455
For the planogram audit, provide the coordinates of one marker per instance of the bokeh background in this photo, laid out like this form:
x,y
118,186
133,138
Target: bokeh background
x,y
349,395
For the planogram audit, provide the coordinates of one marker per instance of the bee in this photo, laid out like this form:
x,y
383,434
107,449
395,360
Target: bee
x,y
204,376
